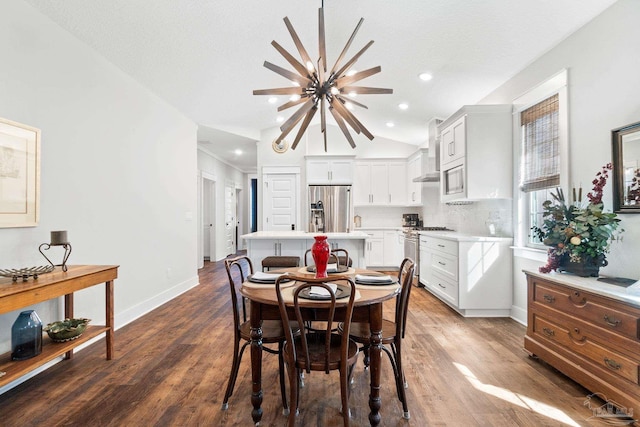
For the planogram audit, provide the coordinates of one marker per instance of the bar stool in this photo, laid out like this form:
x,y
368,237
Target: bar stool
x,y
280,261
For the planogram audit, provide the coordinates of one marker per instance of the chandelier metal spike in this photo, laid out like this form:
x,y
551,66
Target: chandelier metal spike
x,y
319,90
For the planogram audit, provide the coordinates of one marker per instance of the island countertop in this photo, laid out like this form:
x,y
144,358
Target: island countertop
x,y
304,235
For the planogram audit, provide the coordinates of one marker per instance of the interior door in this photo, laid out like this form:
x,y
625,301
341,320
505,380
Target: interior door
x,y
208,218
280,202
230,218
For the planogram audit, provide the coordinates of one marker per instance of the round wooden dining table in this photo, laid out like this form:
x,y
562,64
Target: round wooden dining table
x,y
367,308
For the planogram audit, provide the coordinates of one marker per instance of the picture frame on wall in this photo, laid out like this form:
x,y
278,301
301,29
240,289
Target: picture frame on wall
x,y
19,174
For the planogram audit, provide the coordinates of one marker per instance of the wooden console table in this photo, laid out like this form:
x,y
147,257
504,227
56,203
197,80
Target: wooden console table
x,y
16,295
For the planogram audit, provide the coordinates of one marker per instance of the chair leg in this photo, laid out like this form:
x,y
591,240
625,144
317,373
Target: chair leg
x,y
235,366
401,383
281,374
294,375
344,394
365,350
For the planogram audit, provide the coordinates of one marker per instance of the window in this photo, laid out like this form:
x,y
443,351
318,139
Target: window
x,y
540,169
542,146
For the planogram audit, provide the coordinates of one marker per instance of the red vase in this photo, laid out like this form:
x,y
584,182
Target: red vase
x,y
320,252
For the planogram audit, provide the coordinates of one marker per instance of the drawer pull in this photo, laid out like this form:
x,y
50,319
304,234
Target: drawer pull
x,y
442,263
440,246
612,322
612,364
443,287
548,332
579,301
549,298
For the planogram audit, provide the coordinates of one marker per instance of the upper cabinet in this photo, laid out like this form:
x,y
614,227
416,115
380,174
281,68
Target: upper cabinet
x,y
330,170
380,183
476,154
415,169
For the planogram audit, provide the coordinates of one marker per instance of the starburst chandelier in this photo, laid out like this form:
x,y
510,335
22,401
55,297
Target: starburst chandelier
x,y
319,89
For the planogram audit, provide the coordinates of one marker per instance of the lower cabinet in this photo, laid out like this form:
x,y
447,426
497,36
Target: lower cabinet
x,y
382,248
471,274
591,338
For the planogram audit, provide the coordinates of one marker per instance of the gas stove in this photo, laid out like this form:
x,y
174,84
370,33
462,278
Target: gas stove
x,y
413,231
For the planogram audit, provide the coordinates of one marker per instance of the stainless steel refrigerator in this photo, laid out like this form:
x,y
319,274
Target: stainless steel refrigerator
x,y
329,208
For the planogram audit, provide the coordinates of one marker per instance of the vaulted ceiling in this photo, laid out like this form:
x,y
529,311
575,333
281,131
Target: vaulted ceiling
x,y
205,57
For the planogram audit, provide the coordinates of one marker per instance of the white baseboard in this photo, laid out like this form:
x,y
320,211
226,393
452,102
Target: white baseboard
x,y
519,315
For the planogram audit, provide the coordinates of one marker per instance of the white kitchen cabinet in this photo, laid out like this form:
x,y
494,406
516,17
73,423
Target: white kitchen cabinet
x,y
414,170
476,154
329,171
380,183
393,248
261,249
383,248
471,274
452,141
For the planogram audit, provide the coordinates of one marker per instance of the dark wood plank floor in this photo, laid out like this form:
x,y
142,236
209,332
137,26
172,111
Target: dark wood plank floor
x,y
171,369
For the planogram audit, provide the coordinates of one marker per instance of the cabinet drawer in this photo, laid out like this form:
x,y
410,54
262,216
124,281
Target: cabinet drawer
x,y
445,264
374,234
444,288
442,245
593,309
587,347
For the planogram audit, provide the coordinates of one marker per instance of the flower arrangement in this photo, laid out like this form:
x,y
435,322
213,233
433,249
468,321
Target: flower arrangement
x,y
576,232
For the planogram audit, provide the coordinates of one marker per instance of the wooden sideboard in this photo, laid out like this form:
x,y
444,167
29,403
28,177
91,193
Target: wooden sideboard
x,y
589,331
16,295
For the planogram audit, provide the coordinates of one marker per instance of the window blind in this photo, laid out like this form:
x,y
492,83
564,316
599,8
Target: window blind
x,y
540,152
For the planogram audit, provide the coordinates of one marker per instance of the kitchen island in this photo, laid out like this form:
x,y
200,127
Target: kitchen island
x,y
262,244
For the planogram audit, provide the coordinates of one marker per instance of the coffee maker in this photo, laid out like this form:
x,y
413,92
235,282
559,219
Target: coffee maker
x,y
410,220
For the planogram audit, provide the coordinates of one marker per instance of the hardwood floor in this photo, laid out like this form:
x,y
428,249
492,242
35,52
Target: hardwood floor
x,y
171,368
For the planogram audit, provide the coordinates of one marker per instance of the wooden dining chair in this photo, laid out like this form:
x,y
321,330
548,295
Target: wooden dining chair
x,y
392,332
341,257
238,269
317,350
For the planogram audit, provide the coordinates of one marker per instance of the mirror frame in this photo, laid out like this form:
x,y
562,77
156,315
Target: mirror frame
x,y
618,168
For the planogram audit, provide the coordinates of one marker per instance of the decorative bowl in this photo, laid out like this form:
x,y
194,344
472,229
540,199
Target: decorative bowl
x,y
67,329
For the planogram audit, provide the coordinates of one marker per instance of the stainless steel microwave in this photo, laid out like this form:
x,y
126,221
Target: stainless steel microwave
x,y
453,181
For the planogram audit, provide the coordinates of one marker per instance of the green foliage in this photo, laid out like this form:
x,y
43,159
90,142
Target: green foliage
x,y
579,231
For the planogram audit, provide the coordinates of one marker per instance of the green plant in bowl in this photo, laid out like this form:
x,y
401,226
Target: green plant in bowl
x,y
67,329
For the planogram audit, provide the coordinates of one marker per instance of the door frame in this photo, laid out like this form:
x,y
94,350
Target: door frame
x,y
202,176
280,170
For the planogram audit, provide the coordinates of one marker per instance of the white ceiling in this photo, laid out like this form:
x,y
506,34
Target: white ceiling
x,y
205,56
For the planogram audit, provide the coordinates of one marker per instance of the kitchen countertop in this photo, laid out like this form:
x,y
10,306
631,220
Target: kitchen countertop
x,y
354,235
630,294
462,237
398,228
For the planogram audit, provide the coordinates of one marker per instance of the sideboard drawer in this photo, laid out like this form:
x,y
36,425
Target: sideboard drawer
x,y
587,306
587,347
442,245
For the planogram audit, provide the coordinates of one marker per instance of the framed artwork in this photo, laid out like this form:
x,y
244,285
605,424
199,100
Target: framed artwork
x,y
19,174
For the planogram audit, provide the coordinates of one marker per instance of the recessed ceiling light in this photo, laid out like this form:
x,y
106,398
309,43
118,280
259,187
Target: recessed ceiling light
x,y
279,119
425,77
238,151
390,124
273,100
403,106
348,105
352,94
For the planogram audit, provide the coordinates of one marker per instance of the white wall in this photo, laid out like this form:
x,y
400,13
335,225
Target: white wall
x,y
604,93
118,170
222,173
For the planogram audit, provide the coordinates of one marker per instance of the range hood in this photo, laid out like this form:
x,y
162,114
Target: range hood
x,y
431,164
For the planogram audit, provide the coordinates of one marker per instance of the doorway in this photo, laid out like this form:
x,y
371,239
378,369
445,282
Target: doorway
x,y
208,219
